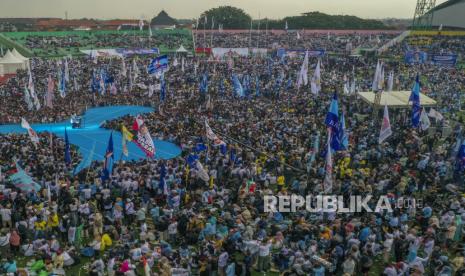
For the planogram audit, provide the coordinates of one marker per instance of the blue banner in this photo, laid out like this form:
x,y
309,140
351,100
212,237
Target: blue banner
x,y
299,52
444,60
416,57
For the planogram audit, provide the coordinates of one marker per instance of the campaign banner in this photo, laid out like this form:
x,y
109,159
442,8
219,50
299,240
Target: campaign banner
x,y
121,52
444,60
299,52
138,51
420,41
101,53
259,51
220,52
415,57
206,51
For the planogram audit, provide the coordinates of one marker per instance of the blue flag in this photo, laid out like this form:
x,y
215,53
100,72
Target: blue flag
x,y
221,86
415,99
238,86
108,162
332,122
461,156
332,117
204,83
257,86
62,87
343,136
289,84
94,85
67,152
191,158
200,147
158,65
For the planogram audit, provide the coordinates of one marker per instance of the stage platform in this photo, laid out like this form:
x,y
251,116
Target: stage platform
x,y
92,133
395,99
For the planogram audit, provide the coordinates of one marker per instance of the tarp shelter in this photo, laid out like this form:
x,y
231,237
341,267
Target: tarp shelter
x,y
181,49
9,64
395,99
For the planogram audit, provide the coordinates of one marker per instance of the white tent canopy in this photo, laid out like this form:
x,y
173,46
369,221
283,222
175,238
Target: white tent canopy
x,y
395,99
181,49
18,55
9,64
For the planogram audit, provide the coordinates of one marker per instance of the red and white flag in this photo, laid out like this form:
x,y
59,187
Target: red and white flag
x,y
385,127
143,139
30,131
212,136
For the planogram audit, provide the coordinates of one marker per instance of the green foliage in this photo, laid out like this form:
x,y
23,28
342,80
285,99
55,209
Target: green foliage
x,y
318,20
229,17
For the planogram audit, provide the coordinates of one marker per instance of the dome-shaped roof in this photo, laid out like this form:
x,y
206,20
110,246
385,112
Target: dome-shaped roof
x,y
163,19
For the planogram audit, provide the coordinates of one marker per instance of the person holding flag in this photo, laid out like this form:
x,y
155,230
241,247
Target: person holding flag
x,y
67,150
108,161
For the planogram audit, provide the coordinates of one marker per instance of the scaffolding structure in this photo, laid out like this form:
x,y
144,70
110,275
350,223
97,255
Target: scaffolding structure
x,y
424,13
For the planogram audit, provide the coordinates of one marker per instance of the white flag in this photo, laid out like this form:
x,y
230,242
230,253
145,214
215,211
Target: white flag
x,y
151,89
352,87
175,62
303,75
435,114
201,172
386,130
30,131
381,78
374,86
390,81
66,70
315,84
182,64
328,182
424,120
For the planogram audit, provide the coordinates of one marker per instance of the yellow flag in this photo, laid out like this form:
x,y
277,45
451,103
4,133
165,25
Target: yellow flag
x,y
127,136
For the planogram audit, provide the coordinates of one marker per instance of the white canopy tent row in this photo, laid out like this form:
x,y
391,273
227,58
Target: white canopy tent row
x,y
11,62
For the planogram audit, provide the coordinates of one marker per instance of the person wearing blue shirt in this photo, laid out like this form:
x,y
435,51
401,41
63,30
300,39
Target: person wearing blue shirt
x,y
319,270
365,233
10,266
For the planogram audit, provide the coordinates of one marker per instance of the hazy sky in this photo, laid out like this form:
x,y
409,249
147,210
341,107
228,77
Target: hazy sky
x,y
192,8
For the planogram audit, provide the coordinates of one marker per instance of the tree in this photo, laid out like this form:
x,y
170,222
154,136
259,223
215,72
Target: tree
x,y
229,17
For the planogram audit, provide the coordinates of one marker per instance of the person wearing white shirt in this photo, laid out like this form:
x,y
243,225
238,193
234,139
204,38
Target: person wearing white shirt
x,y
264,256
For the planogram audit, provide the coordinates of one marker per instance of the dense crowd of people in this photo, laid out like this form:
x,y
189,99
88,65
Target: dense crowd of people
x,y
166,217
73,42
293,39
